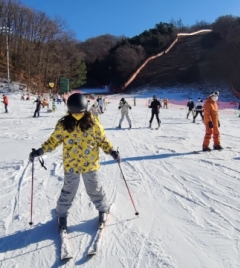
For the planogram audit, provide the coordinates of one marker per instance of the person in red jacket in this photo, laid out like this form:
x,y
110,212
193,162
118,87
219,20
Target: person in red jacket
x,y
5,102
212,123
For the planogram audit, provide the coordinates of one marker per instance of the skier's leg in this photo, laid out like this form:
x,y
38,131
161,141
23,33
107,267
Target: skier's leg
x,y
95,190
216,136
68,192
151,119
122,117
128,119
196,114
35,112
193,114
158,120
207,137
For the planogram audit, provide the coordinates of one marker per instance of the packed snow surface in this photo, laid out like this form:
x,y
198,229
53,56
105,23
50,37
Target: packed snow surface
x,y
188,203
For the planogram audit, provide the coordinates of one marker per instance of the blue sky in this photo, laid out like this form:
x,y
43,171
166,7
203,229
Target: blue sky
x,y
91,18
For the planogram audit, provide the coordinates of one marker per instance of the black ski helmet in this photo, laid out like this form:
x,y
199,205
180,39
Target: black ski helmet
x,y
77,103
154,97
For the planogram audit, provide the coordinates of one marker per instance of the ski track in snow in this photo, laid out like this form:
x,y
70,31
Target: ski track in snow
x,y
188,203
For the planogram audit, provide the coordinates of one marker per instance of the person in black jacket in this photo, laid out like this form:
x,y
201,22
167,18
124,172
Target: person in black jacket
x,y
190,106
38,107
155,105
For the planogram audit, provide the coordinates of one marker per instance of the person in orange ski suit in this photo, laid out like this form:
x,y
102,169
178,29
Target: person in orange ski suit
x,y
212,123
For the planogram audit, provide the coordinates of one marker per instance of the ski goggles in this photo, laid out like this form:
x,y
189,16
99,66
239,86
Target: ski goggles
x,y
216,93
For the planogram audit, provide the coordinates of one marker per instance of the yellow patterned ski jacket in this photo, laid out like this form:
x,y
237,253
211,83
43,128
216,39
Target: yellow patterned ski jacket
x,y
80,149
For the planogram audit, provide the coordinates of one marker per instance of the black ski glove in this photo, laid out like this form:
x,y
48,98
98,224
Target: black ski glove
x,y
210,124
119,107
218,123
130,107
35,153
116,156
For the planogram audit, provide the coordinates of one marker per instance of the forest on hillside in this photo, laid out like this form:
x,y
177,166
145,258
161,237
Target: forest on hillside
x,y
42,50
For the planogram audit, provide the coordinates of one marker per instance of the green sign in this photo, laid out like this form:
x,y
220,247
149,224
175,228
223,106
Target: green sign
x,y
64,85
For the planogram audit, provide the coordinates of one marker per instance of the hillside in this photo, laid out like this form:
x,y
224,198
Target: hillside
x,y
200,59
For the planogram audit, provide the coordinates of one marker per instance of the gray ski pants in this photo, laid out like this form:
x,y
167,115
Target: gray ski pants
x,y
93,188
128,119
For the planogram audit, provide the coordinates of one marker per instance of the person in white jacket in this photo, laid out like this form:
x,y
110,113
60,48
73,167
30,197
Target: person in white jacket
x,y
100,103
198,109
124,106
95,110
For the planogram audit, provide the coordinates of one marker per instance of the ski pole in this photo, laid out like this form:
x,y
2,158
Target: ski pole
x,y
136,213
41,161
31,212
146,116
115,119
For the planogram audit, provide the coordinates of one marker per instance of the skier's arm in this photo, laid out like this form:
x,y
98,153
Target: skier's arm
x,y
207,113
54,140
103,142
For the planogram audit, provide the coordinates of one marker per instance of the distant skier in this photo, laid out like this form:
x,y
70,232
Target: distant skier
x,y
95,110
38,107
105,103
155,106
5,102
212,123
165,103
59,100
239,109
81,137
100,103
198,109
124,106
190,106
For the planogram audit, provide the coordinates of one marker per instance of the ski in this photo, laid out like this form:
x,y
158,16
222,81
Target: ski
x,y
66,251
155,128
97,241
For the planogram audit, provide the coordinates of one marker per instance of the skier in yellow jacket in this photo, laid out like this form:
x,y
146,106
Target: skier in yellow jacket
x,y
212,123
81,137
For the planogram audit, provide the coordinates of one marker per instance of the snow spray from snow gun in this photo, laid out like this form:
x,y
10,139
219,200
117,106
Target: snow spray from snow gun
x,y
136,213
41,161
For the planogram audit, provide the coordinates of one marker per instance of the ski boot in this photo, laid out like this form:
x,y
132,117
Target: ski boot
x,y
217,147
119,126
62,223
206,149
102,219
150,125
130,126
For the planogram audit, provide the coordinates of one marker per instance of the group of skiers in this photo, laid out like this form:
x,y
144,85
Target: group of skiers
x,y
82,135
155,106
210,119
98,107
195,109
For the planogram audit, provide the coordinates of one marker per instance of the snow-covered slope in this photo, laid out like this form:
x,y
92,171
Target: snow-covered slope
x,y
188,203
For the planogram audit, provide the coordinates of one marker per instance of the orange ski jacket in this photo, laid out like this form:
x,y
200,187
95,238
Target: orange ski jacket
x,y
211,112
